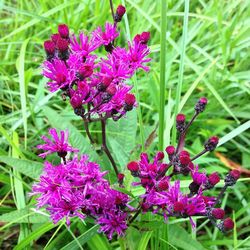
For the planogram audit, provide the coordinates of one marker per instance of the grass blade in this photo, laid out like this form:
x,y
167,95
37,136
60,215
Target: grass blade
x,y
181,68
162,72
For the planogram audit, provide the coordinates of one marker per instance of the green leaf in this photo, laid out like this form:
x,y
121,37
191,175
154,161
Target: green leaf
x,y
21,73
35,235
234,133
121,136
29,168
182,240
82,239
25,215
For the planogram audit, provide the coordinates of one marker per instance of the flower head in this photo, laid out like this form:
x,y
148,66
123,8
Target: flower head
x,y
58,144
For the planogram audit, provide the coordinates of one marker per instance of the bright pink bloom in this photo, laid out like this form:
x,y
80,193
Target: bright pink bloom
x,y
58,144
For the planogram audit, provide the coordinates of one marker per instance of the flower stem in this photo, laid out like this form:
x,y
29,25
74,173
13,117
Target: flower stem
x,y
105,147
198,155
223,190
86,126
112,9
181,140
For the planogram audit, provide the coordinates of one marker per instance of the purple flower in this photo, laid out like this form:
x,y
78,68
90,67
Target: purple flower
x,y
137,54
57,144
60,77
106,37
112,223
84,47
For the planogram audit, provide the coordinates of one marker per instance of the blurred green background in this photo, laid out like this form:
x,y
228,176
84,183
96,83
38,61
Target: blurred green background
x,y
216,65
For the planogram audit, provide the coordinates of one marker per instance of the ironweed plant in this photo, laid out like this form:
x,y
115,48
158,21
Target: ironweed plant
x,y
98,89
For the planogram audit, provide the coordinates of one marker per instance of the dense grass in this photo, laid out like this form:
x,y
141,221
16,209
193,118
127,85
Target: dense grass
x,y
206,55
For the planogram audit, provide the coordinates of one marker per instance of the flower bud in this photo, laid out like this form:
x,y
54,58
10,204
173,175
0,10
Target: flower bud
x,y
184,157
76,101
49,47
163,184
163,167
211,144
214,178
145,36
102,86
200,105
218,213
84,71
178,206
180,122
133,167
137,38
232,177
235,174
110,91
120,11
170,150
159,156
228,224
55,37
62,45
63,30
120,178
129,101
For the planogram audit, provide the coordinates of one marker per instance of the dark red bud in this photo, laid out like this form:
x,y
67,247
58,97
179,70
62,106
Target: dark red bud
x,y
76,101
180,118
145,36
137,38
55,37
133,166
211,144
184,153
120,176
163,168
85,70
129,99
178,206
218,213
121,10
228,224
163,185
214,178
160,156
203,100
170,150
49,47
63,30
235,174
62,45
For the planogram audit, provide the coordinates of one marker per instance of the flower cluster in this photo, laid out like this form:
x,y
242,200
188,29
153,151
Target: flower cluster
x,y
95,85
165,197
77,188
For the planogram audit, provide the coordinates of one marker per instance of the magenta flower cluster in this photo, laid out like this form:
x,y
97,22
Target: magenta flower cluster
x,y
77,188
95,85
165,197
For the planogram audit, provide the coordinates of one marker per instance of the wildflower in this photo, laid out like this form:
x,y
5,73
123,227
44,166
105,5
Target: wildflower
x,y
113,223
200,105
180,122
60,77
120,11
211,144
58,144
106,37
63,31
218,213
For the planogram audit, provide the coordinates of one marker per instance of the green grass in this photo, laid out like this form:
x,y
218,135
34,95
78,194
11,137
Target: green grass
x,y
205,52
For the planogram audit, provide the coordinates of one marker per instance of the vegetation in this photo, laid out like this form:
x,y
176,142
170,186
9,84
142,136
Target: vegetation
x,y
206,54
